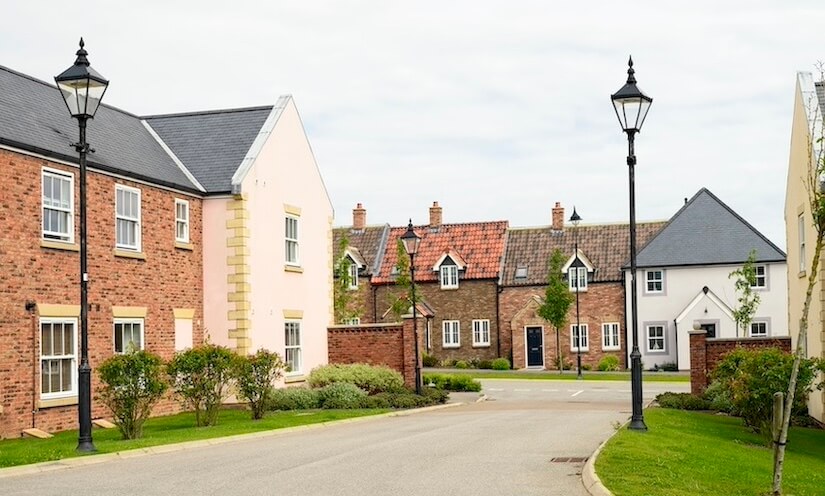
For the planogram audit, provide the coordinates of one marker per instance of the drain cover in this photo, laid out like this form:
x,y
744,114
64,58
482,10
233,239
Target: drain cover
x,y
568,459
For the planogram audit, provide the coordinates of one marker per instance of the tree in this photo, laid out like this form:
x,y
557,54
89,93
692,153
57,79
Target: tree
x,y
557,298
345,303
401,299
748,299
816,202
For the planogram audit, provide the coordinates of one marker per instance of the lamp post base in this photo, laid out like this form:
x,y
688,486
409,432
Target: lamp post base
x,y
637,422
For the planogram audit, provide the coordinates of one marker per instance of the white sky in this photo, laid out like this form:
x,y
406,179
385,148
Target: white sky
x,y
495,109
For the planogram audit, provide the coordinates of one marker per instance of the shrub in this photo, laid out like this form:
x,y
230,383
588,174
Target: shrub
x,y
341,395
435,396
669,367
371,378
448,363
131,385
255,375
587,366
461,364
485,364
609,363
501,364
429,360
294,398
682,401
473,362
751,377
452,382
201,376
718,397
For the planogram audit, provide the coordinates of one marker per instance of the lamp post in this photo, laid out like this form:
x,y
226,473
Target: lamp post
x,y
82,89
575,219
631,107
411,242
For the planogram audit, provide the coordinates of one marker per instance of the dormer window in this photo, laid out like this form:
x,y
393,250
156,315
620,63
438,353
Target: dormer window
x,y
449,276
577,269
448,267
356,263
353,276
521,272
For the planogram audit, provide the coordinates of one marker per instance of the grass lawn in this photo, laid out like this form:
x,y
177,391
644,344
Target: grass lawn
x,y
692,453
164,430
549,375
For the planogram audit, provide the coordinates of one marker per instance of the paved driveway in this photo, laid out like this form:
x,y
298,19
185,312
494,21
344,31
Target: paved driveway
x,y
499,447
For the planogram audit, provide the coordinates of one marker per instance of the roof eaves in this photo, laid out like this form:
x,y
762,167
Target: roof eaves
x,y
258,144
174,157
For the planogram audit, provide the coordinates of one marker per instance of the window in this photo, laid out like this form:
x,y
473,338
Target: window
x,y
128,335
656,338
58,358
291,237
579,339
292,345
655,281
610,336
481,333
353,276
58,206
449,276
759,329
127,217
801,227
521,272
577,278
761,277
353,321
182,221
452,331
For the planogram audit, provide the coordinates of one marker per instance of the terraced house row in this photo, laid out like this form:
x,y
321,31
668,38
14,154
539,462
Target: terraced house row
x,y
209,225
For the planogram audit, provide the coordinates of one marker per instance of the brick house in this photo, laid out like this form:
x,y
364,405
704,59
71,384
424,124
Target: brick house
x,y
145,251
603,249
456,276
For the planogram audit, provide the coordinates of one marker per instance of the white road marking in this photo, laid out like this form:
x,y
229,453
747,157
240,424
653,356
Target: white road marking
x,y
523,390
550,390
577,393
495,389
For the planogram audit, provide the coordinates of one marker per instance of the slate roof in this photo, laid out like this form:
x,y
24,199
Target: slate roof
x,y
370,241
607,246
212,144
480,244
705,231
820,95
33,117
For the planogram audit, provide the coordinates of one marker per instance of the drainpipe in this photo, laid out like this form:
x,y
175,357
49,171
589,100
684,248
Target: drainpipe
x,y
676,342
624,299
499,289
30,307
374,303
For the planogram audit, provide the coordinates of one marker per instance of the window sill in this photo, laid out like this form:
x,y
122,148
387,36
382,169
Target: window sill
x,y
184,246
583,290
293,268
54,402
139,255
59,245
658,352
449,288
612,348
451,346
290,379
654,293
481,345
802,274
583,350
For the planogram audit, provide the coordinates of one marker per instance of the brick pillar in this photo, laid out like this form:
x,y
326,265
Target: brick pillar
x,y
698,361
408,348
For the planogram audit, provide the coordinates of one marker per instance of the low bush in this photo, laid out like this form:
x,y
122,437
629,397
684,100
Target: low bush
x,y
202,377
682,401
485,364
587,366
435,396
341,395
370,378
501,364
294,398
428,360
461,364
448,363
131,385
609,363
669,367
452,382
255,375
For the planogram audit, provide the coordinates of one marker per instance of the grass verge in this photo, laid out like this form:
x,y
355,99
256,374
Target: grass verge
x,y
697,453
567,376
164,430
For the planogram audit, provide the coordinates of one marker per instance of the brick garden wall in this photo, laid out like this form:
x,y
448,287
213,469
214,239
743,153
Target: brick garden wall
x,y
168,278
705,354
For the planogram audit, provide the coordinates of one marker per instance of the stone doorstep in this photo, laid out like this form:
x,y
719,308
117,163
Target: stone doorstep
x,y
36,433
103,423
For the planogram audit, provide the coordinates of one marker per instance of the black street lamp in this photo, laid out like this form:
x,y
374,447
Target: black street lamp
x,y
631,107
411,243
82,89
575,219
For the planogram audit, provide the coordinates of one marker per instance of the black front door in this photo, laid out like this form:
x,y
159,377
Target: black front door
x,y
711,330
535,347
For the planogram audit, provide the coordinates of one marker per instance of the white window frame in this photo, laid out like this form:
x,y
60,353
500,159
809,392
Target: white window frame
x,y
449,276
354,321
577,279
575,334
611,336
451,334
131,220
127,322
293,353
290,240
801,228
758,323
63,237
649,338
763,283
660,280
72,357
181,222
481,333
353,276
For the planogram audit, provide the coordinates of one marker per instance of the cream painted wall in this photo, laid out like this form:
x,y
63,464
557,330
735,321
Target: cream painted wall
x,y
796,204
285,173
215,271
682,286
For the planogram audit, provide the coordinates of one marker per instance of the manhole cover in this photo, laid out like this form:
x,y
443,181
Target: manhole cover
x,y
568,459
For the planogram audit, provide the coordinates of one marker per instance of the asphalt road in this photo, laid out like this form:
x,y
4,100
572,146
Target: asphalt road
x,y
504,446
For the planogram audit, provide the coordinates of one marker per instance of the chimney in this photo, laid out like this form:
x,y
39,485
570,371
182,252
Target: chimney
x,y
558,217
435,216
359,218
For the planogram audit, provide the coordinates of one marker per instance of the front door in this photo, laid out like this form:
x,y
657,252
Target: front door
x,y
711,330
535,347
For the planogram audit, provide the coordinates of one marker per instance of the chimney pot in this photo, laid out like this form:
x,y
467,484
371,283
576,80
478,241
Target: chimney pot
x,y
359,218
558,217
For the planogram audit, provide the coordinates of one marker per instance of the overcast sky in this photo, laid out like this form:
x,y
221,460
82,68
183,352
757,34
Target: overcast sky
x,y
494,109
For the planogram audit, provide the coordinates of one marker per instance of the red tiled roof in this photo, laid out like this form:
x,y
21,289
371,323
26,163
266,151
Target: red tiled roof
x,y
480,245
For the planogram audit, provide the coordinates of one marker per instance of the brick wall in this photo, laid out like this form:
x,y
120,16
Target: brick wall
x,y
601,303
705,353
168,278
